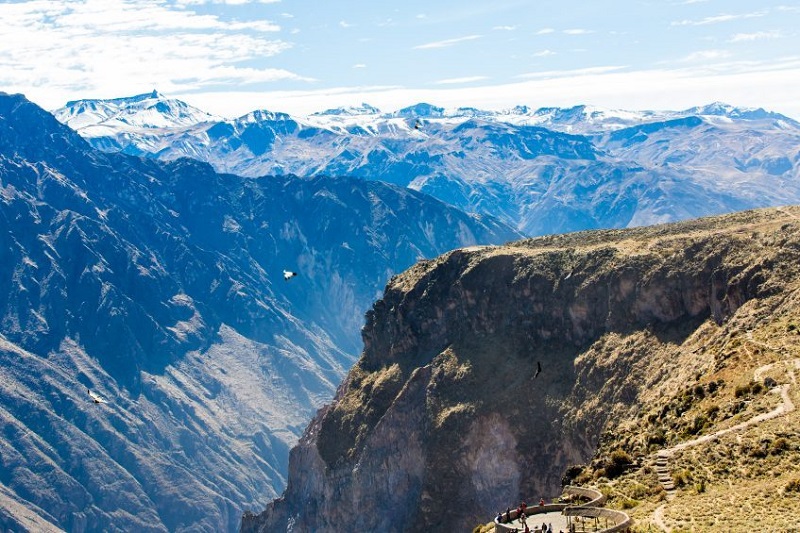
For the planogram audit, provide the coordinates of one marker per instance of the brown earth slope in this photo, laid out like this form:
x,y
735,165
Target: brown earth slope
x,y
646,337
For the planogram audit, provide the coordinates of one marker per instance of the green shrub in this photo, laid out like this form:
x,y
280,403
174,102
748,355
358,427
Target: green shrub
x,y
617,463
658,437
779,446
793,485
698,424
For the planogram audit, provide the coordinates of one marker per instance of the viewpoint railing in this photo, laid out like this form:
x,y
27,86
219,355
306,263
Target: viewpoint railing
x,y
589,509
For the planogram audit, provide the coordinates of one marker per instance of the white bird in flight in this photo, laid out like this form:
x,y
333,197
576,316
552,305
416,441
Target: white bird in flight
x,y
287,274
96,398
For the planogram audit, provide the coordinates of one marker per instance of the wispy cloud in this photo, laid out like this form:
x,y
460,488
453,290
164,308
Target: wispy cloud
x,y
591,71
467,79
227,2
545,31
447,42
113,46
544,53
705,55
359,65
577,31
756,36
345,24
719,18
504,28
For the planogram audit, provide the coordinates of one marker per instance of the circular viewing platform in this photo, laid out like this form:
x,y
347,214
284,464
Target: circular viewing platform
x,y
565,517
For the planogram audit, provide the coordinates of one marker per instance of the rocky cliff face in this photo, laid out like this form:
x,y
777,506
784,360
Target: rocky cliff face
x,y
443,420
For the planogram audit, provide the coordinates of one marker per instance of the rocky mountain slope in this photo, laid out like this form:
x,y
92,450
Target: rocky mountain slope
x,y
443,421
159,287
541,171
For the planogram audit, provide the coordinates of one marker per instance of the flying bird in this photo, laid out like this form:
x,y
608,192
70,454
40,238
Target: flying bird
x,y
538,369
417,124
288,274
96,398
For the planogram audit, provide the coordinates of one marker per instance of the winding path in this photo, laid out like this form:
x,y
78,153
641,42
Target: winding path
x,y
662,457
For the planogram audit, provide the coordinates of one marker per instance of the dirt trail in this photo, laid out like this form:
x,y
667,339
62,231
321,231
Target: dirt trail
x,y
662,457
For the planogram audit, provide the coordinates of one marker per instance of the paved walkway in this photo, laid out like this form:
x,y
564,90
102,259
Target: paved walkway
x,y
556,519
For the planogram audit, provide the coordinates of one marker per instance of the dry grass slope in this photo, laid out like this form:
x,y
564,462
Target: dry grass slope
x,y
729,372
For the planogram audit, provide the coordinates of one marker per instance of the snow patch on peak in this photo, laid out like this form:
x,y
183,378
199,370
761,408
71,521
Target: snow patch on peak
x,y
263,115
93,117
420,110
363,109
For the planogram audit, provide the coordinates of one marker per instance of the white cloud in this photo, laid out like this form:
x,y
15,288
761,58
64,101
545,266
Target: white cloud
x,y
544,53
467,79
591,71
345,24
447,42
545,31
577,31
705,55
359,65
227,2
756,36
504,28
718,18
110,46
769,85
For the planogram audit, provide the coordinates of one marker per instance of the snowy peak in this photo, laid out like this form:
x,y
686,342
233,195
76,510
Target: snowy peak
x,y
262,115
95,117
720,109
363,109
421,110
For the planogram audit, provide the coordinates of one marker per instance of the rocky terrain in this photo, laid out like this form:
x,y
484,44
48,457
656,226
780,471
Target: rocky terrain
x,y
159,286
646,337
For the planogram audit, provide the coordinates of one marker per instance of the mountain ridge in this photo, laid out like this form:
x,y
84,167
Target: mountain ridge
x,y
548,170
159,287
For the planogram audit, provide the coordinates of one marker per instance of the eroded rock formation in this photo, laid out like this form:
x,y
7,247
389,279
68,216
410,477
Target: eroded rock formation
x,y
442,423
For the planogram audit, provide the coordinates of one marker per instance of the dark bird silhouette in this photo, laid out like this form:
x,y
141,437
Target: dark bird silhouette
x,y
538,369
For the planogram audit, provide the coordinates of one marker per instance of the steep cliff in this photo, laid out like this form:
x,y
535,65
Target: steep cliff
x,y
443,420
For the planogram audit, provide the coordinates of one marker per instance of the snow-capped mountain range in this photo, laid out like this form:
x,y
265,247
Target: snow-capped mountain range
x,y
544,170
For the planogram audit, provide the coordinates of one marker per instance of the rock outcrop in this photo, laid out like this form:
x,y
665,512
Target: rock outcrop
x,y
443,421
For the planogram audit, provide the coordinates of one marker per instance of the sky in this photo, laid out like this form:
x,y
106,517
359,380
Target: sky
x,y
230,57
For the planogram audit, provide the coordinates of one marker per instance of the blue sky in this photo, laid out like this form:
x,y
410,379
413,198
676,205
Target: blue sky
x,y
233,56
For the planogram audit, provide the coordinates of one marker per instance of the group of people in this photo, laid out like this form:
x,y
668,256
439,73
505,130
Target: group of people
x,y
505,518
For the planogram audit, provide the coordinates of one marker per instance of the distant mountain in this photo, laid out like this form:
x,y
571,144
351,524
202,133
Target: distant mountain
x,y
541,171
122,124
159,287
